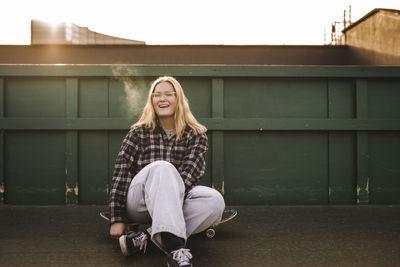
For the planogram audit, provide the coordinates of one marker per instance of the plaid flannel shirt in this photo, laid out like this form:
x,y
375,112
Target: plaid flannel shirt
x,y
142,146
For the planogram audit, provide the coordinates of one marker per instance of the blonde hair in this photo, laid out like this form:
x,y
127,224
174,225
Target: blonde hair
x,y
183,115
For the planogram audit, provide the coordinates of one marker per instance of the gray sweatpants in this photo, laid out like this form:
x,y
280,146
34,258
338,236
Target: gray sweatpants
x,y
156,196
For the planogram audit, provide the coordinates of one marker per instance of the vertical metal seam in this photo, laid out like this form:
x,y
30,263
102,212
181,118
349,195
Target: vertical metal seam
x,y
2,145
2,93
362,185
108,136
2,168
217,173
71,160
108,97
329,139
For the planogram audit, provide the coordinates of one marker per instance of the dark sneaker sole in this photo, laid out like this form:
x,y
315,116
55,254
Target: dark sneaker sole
x,y
168,265
123,246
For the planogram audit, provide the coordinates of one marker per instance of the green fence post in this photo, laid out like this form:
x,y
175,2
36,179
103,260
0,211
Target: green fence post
x,y
217,173
331,142
71,155
341,144
2,172
362,143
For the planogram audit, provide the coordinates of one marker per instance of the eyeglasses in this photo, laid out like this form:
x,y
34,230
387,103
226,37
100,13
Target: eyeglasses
x,y
166,94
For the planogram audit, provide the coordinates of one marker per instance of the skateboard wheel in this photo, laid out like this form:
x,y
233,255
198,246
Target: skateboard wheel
x,y
210,233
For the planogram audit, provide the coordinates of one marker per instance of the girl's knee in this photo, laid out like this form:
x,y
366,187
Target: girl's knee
x,y
217,202
164,172
165,167
211,198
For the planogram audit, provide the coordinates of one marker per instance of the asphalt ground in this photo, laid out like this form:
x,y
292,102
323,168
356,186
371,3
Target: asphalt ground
x,y
259,236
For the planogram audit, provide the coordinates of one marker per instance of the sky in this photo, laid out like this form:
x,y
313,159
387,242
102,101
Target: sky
x,y
227,22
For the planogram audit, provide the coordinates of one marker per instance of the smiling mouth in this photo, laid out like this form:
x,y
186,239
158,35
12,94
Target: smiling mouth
x,y
163,106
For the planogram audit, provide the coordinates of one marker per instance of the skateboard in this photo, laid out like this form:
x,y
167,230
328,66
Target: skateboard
x,y
227,216
210,232
129,226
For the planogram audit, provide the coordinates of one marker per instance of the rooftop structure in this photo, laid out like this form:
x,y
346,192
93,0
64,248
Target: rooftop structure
x,y
69,33
376,35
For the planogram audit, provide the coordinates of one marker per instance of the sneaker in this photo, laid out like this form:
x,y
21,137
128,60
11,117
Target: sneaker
x,y
180,257
132,243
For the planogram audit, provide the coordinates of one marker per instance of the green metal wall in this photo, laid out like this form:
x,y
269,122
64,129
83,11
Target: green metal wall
x,y
278,134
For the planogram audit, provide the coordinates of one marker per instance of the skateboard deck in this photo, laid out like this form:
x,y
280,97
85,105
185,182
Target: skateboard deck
x,y
129,226
210,232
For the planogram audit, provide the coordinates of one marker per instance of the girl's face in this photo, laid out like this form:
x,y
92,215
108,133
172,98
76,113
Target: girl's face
x,y
164,100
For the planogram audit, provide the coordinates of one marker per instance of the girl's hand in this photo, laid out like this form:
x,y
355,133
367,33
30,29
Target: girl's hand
x,y
117,229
